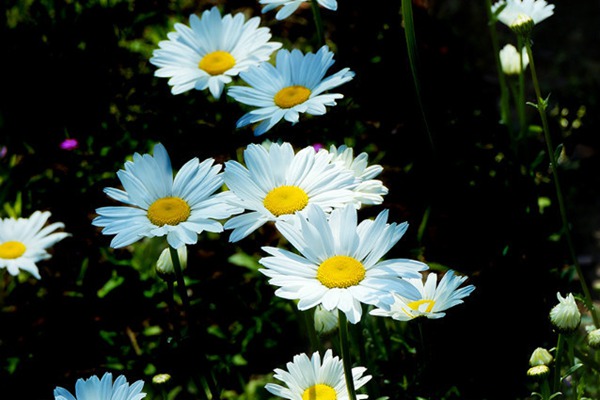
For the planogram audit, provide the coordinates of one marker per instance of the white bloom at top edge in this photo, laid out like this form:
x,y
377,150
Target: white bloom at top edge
x,y
211,50
288,7
537,10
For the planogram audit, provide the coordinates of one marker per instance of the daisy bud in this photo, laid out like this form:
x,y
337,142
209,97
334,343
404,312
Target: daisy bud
x,y
593,339
540,356
510,59
161,378
325,321
565,316
522,25
164,264
538,372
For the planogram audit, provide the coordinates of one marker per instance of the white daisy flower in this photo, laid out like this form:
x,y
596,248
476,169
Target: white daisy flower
x,y
510,60
368,190
295,85
431,302
96,389
212,50
276,183
288,7
313,378
158,205
23,242
339,265
517,10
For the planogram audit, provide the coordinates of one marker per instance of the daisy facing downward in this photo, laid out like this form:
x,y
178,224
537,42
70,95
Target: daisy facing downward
x,y
211,51
313,378
340,262
24,241
288,7
179,208
296,84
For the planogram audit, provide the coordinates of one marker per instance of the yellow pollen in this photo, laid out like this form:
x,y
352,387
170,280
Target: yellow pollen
x,y
168,211
415,305
217,62
291,96
285,200
11,250
340,272
319,392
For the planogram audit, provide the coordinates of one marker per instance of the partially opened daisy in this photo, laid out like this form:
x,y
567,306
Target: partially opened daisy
x,y
158,205
276,183
23,242
288,7
340,264
296,84
313,378
368,190
212,50
516,12
94,388
432,300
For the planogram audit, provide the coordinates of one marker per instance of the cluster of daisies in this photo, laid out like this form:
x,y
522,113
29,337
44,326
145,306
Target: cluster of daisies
x,y
215,49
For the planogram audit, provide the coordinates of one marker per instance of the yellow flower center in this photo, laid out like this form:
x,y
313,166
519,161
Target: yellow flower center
x,y
319,392
168,211
217,62
12,249
291,96
340,272
285,200
416,305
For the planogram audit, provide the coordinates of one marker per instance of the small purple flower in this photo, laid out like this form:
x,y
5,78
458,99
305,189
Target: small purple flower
x,y
3,151
69,144
318,146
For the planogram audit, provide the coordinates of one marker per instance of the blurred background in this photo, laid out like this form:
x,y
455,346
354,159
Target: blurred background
x,y
80,70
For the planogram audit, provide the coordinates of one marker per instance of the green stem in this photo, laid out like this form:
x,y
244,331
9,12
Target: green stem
x,y
315,343
179,278
557,362
411,44
316,10
541,106
345,347
504,104
521,99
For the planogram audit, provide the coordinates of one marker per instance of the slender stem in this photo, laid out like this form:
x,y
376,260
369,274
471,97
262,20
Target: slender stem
x,y
411,44
316,10
504,104
315,343
521,100
541,106
345,346
557,362
179,278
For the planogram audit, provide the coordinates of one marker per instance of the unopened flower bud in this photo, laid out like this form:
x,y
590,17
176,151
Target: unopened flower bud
x,y
565,316
325,321
593,339
161,378
538,372
540,356
164,264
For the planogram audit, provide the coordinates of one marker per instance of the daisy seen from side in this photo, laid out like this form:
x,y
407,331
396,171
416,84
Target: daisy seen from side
x,y
511,61
276,183
211,50
433,299
339,262
24,242
94,388
516,11
315,378
157,204
368,190
288,7
295,84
